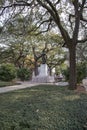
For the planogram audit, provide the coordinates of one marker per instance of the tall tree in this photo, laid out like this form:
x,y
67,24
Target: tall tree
x,y
67,17
14,52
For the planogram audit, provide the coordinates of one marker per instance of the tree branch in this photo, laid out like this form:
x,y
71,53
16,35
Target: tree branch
x,y
82,41
56,18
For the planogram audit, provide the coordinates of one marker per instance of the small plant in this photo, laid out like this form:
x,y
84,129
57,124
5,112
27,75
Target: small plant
x,y
7,72
23,74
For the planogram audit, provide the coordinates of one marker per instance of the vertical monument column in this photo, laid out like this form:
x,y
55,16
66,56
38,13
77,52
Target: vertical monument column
x,y
43,70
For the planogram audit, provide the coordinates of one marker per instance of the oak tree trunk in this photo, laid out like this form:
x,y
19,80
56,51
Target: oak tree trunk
x,y
72,71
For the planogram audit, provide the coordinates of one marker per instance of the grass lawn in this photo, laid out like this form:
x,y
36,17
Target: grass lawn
x,y
43,108
4,83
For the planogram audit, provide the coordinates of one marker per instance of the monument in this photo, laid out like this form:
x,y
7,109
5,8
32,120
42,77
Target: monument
x,y
43,76
43,67
84,81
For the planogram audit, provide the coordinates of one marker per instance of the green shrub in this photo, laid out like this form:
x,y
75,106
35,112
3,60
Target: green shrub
x,y
23,74
7,72
81,72
66,74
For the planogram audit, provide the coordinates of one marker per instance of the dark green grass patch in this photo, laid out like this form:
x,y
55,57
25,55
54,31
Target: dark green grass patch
x,y
44,107
4,83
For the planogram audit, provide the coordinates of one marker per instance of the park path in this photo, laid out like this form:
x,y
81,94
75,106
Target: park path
x,y
27,85
17,87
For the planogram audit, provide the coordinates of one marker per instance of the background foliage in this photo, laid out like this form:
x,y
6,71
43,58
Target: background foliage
x,y
81,72
7,72
24,74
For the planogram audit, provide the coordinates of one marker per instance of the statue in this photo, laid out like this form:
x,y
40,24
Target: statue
x,y
43,76
44,57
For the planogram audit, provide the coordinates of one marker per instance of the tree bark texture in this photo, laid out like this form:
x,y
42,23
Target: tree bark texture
x,y
36,68
72,66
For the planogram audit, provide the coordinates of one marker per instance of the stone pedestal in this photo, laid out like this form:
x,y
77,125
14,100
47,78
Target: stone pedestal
x,y
43,76
84,81
43,70
43,79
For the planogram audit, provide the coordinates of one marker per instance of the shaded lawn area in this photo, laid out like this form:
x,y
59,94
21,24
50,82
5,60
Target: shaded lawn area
x,y
4,83
44,107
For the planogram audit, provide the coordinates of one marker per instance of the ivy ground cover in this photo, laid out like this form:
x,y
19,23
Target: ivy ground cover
x,y
43,107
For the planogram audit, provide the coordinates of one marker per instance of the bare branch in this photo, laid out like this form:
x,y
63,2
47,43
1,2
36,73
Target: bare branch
x,y
44,30
17,3
82,6
56,18
82,41
70,17
83,19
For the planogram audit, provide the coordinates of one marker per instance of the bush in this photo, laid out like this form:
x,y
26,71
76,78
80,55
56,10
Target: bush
x,y
66,74
24,74
81,72
7,72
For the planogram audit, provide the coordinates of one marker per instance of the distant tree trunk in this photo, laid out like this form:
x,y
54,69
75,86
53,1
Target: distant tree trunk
x,y
36,68
72,71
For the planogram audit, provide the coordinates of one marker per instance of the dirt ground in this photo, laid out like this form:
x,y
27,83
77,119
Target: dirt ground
x,y
81,88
